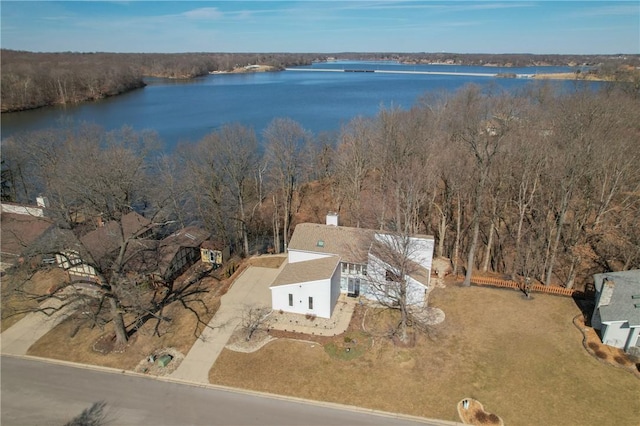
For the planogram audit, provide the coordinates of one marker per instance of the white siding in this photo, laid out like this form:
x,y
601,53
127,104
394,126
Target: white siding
x,y
25,210
301,256
615,334
377,274
320,290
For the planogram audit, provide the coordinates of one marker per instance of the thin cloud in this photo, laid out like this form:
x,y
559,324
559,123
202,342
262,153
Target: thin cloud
x,y
616,10
203,13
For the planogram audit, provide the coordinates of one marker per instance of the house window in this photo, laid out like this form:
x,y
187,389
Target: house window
x,y
290,299
311,303
364,269
344,268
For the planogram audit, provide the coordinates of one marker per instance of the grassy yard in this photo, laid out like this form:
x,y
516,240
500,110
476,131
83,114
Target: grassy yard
x,y
523,359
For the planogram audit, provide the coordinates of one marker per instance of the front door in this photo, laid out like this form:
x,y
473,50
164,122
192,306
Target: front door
x,y
353,289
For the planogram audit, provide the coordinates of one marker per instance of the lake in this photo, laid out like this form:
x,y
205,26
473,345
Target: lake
x,y
319,101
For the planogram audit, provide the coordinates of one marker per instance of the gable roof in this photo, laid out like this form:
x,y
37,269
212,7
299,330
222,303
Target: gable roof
x,y
308,270
18,231
622,306
106,239
153,256
351,244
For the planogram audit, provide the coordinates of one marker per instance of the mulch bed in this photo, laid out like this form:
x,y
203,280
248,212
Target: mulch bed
x,y
472,412
604,353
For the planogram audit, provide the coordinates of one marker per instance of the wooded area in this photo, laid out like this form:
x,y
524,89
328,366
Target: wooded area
x,y
32,80
536,184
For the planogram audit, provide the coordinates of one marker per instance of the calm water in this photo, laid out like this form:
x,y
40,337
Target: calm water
x,y
319,101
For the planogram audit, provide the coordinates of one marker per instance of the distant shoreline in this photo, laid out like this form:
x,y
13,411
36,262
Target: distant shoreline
x,y
569,76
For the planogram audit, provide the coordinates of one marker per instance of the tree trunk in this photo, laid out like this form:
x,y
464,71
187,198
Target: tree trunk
x,y
556,241
118,322
476,226
456,247
487,254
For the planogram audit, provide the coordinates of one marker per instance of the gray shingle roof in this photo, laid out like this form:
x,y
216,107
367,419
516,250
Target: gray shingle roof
x,y
621,307
351,244
309,270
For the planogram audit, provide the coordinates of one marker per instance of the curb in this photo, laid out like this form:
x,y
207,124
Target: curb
x,y
333,405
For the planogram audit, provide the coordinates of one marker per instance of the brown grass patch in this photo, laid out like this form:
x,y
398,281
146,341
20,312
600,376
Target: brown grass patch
x,y
267,261
521,357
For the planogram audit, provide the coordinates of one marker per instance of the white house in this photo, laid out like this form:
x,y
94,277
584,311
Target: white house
x,y
617,312
325,260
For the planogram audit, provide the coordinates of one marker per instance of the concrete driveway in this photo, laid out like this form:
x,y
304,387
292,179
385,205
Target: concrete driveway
x,y
251,288
18,338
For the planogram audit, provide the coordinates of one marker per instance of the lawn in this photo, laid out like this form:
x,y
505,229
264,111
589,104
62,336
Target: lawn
x,y
523,359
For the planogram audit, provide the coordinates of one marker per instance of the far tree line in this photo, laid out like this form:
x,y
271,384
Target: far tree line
x,y
536,184
33,80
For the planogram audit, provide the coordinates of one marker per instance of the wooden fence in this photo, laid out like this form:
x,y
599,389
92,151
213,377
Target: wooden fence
x,y
496,282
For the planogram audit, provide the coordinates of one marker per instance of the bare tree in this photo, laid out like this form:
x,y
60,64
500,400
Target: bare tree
x,y
397,276
254,319
353,163
235,149
480,123
284,141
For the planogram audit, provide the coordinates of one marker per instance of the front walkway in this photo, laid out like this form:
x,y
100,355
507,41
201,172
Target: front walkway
x,y
251,288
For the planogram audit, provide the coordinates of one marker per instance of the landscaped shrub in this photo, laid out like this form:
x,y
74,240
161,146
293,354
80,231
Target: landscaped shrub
x,y
594,345
481,416
620,359
601,354
494,419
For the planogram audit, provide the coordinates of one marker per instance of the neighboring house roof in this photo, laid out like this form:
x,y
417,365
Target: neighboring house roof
x,y
106,239
308,270
213,245
351,244
18,231
186,237
622,306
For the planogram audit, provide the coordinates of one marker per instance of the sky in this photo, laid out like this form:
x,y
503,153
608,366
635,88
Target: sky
x,y
505,26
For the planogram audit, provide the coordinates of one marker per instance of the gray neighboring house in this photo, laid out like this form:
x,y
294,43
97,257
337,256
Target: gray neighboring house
x,y
617,312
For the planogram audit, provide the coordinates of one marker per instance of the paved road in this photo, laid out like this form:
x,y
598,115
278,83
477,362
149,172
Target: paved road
x,y
38,393
251,288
